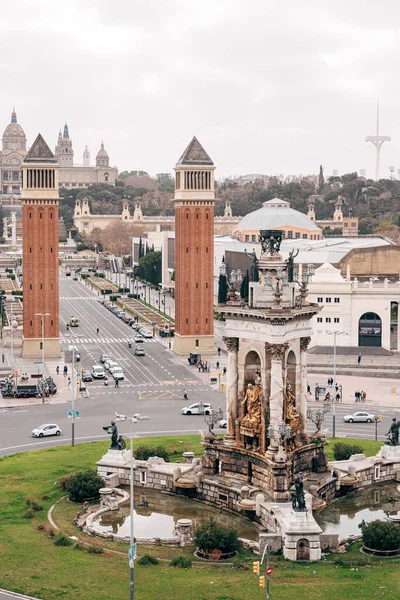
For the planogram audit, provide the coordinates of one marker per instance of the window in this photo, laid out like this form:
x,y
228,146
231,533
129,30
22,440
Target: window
x,y
206,321
253,238
187,215
197,343
328,320
336,320
297,235
304,236
319,319
246,238
206,285
5,176
320,299
328,300
187,321
337,300
197,286
187,249
197,215
290,235
142,476
207,250
377,473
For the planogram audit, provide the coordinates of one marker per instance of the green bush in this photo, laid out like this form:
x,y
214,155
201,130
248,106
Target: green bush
x,y
100,275
381,535
62,540
29,514
84,485
181,561
144,452
343,451
33,504
135,296
11,276
210,536
147,559
95,549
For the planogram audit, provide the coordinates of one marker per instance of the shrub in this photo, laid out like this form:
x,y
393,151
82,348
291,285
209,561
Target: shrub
x,y
210,536
144,452
147,559
84,485
238,565
381,535
62,482
78,546
45,497
29,514
62,540
33,504
181,561
95,549
343,451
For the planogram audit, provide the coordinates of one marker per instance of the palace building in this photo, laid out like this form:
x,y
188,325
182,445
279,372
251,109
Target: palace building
x,y
12,154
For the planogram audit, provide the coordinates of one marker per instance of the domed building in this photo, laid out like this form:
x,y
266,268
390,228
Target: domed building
x,y
277,214
72,175
11,156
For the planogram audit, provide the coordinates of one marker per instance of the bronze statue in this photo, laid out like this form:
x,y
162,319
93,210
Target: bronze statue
x,y
290,264
298,498
292,417
393,433
117,442
252,407
270,239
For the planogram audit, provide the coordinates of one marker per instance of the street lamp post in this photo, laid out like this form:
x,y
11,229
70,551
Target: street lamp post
x,y
134,419
42,315
334,333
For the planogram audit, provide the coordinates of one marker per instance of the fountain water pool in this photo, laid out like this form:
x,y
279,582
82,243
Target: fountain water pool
x,y
163,511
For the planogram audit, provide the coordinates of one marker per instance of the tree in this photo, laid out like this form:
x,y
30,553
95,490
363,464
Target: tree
x,y
222,289
210,535
381,535
150,267
244,288
117,238
321,180
84,485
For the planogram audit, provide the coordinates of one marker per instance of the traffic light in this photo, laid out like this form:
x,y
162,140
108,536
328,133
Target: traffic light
x,y
256,567
261,582
379,418
393,390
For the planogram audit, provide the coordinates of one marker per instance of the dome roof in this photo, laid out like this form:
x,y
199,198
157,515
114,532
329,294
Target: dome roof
x,y
13,129
274,214
102,153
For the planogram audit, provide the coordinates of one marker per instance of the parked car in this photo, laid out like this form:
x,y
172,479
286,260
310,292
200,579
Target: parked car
x,y
135,325
198,408
104,357
109,364
139,339
98,372
47,429
146,333
223,423
117,373
87,376
359,417
139,352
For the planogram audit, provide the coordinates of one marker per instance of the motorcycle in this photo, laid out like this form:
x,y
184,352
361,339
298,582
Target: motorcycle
x,y
106,382
129,344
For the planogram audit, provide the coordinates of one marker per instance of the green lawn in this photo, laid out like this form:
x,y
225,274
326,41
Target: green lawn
x,y
30,563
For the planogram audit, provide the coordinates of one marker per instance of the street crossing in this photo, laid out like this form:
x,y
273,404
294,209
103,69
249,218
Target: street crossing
x,y
102,340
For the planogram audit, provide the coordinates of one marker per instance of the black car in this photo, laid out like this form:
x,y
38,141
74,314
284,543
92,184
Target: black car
x,y
87,376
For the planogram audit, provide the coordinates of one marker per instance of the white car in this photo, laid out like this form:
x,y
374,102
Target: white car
x,y
359,417
47,429
117,373
146,333
223,423
198,408
98,372
109,364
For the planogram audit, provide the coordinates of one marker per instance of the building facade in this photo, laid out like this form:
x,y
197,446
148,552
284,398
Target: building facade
x,y
40,251
194,251
345,226
82,176
12,155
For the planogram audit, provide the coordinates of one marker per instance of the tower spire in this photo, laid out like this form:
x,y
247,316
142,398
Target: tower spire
x,y
13,116
377,140
66,132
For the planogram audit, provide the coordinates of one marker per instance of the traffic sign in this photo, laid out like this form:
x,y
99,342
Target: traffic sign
x,y
70,412
268,570
132,555
154,323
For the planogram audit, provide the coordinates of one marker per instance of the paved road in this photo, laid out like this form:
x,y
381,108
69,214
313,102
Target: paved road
x,y
4,595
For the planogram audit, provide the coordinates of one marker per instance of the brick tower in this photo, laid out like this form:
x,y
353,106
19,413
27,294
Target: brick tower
x,y
194,251
40,250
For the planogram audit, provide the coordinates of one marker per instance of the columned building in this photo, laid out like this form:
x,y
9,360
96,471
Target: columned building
x,y
11,156
40,251
194,251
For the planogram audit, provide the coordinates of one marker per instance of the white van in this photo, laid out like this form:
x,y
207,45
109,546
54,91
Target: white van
x,y
98,372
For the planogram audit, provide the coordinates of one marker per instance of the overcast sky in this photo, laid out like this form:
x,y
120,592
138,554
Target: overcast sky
x,y
266,86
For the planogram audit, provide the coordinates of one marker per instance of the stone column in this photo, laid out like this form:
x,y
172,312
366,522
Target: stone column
x,y
232,344
302,407
277,352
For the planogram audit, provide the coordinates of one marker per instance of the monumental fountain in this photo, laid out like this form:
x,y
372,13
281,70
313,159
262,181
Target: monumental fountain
x,y
267,468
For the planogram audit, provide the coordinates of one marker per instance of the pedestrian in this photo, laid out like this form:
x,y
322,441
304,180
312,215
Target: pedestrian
x,y
185,396
219,351
364,396
116,382
199,367
337,397
329,381
224,371
97,331
69,381
2,358
65,370
308,389
359,357
217,364
58,370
